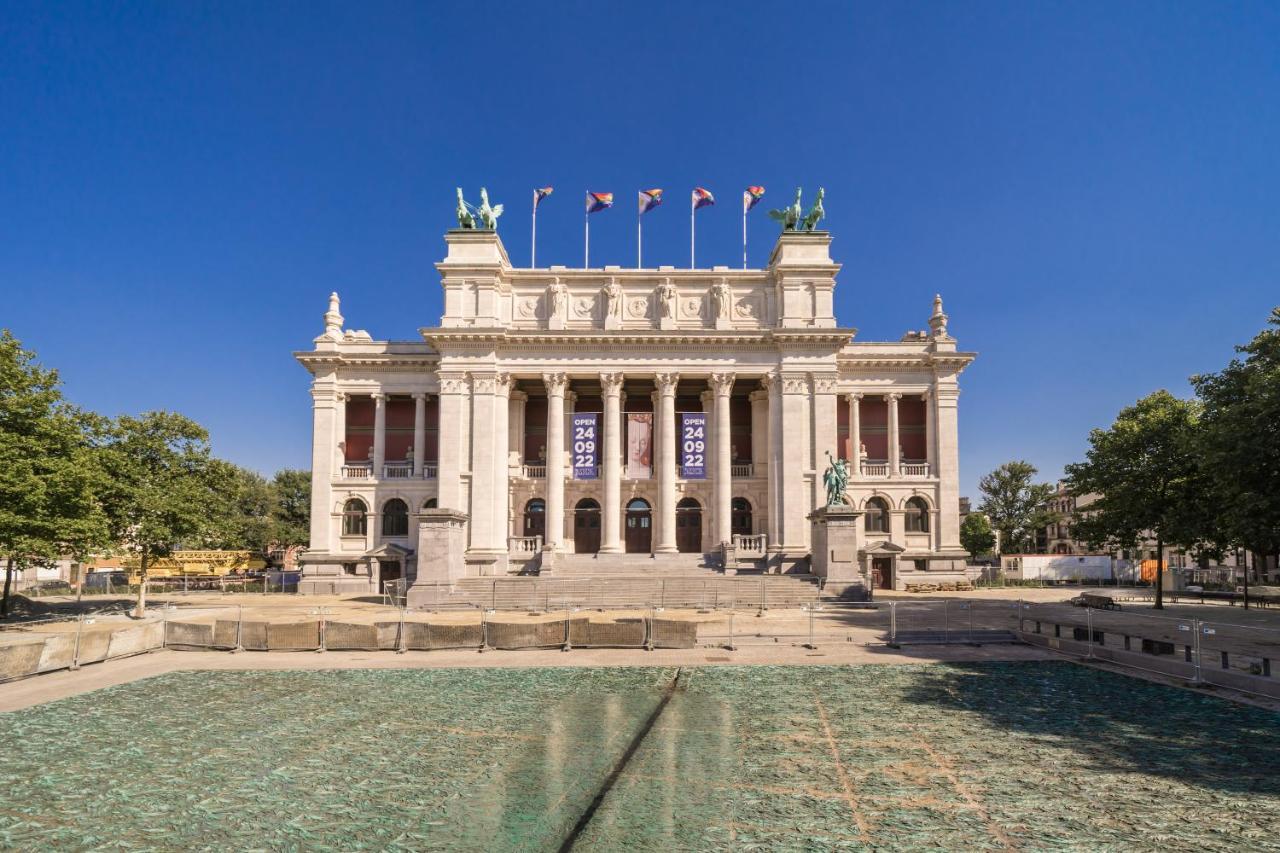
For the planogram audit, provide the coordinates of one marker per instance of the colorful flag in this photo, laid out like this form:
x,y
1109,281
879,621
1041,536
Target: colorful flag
x,y
751,197
702,198
539,195
599,201
649,199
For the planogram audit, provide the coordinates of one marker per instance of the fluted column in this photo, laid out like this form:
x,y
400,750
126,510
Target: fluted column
x,y
454,424
855,433
773,387
339,432
556,383
515,427
501,472
326,431
419,433
611,541
930,433
895,448
722,385
666,383
379,433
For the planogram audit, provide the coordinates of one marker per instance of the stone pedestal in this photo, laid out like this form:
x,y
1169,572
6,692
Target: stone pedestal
x,y
442,546
837,538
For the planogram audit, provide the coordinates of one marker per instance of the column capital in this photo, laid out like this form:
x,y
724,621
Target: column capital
x,y
854,396
379,396
453,382
823,383
895,396
768,381
611,383
794,382
666,383
722,383
555,383
502,384
760,395
484,383
420,395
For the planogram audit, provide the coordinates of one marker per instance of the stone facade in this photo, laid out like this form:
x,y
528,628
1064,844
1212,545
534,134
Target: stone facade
x,y
469,427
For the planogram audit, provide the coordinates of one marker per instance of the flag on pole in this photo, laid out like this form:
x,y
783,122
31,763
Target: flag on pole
x,y
539,195
649,199
751,197
702,198
599,201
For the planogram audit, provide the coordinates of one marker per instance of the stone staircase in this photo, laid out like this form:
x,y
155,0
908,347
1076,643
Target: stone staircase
x,y
643,565
619,589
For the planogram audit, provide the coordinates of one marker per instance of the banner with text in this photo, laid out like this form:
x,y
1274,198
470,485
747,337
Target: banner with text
x,y
693,445
586,445
639,445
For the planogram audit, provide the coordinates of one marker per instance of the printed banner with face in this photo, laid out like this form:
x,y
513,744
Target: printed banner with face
x,y
639,445
693,445
586,445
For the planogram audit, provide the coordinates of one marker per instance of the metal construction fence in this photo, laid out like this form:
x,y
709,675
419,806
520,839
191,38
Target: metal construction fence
x,y
34,646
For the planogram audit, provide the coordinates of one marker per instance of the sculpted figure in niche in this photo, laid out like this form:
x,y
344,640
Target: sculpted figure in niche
x,y
667,299
722,300
558,300
613,300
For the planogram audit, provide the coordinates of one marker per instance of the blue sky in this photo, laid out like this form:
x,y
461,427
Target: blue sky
x,y
1091,186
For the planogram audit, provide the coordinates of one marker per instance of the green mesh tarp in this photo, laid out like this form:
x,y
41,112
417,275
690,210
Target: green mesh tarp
x,y
1027,755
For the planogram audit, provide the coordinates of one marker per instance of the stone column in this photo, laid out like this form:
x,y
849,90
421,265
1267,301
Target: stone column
x,y
773,387
930,432
419,432
895,449
339,433
825,430
611,461
855,434
326,421
501,443
556,384
484,406
379,434
667,442
793,508
450,440
722,385
948,466
759,431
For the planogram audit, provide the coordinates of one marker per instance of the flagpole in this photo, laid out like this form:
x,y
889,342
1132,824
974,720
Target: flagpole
x,y
744,234
586,240
691,226
639,219
533,245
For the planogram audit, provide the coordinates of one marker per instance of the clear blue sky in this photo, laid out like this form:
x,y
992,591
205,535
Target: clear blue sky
x,y
1093,187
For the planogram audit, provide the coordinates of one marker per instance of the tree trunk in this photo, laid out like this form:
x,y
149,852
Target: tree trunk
x,y
1253,560
8,582
1159,573
141,610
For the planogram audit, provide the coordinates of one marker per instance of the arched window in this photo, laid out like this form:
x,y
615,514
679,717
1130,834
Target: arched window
x,y
877,514
917,516
535,517
354,518
740,517
430,503
638,504
395,518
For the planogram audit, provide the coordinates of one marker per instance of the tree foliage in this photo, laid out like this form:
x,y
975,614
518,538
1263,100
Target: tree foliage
x,y
48,474
1146,471
976,535
1015,505
1240,442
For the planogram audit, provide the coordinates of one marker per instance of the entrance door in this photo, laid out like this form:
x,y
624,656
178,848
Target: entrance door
x,y
689,526
388,570
740,518
586,527
535,518
882,572
639,533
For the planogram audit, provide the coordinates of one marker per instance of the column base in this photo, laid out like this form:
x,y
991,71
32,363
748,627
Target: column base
x,y
611,549
666,549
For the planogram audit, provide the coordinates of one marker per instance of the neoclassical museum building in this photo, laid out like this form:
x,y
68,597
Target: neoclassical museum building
x,y
628,419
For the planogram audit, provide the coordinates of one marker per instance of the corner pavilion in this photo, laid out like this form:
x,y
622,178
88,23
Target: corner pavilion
x,y
462,454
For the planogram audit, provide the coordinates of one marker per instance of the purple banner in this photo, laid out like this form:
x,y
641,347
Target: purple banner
x,y
586,446
693,446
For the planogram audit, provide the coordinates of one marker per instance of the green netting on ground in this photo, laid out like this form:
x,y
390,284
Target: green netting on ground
x,y
975,756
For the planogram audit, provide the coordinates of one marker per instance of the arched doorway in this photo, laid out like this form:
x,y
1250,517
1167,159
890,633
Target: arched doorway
x,y
535,518
689,526
740,517
639,527
586,527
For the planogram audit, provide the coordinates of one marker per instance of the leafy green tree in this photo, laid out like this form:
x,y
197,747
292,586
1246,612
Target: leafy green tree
x,y
1240,443
1145,469
47,469
291,507
164,490
1015,505
976,535
244,514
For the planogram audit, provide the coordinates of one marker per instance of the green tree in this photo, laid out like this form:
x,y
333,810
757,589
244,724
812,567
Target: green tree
x,y
47,469
164,490
976,535
1145,470
1240,443
1014,504
291,507
244,513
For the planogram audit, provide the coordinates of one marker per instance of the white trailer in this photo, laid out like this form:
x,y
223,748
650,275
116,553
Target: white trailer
x,y
1057,567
